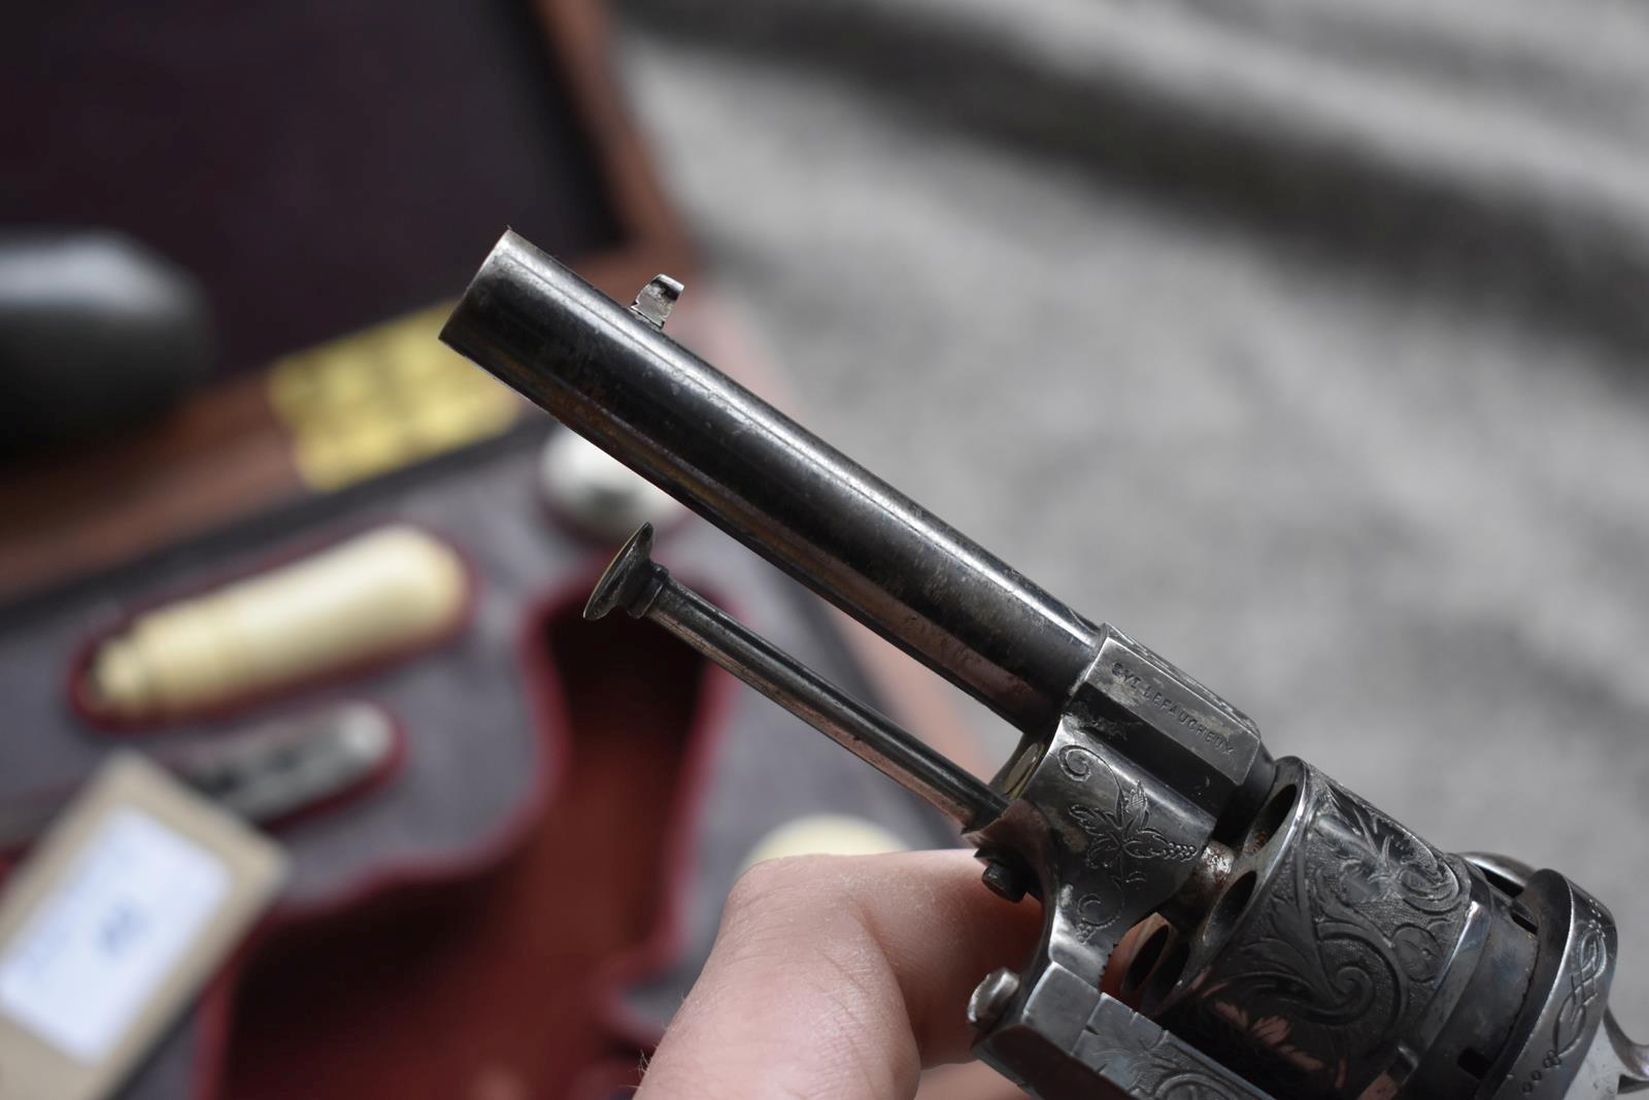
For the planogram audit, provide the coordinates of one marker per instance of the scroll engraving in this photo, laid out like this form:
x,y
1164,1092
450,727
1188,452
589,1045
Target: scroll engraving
x,y
1343,951
1570,1029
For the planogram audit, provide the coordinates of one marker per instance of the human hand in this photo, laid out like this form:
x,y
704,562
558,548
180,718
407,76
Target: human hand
x,y
840,978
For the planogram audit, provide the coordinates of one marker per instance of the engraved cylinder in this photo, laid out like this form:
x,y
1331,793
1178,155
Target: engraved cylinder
x,y
1336,953
1346,957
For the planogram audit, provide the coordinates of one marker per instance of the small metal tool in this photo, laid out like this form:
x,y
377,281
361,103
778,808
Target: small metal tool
x,y
264,774
1298,943
280,769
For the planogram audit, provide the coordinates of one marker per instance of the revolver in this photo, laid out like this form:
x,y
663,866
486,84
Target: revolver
x,y
1292,939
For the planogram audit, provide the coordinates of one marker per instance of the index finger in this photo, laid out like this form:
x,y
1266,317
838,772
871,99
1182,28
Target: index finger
x,y
840,978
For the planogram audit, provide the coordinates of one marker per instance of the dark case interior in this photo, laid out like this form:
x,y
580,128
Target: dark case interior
x,y
519,906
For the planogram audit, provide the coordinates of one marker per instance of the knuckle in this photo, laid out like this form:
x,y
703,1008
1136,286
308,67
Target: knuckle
x,y
774,883
797,896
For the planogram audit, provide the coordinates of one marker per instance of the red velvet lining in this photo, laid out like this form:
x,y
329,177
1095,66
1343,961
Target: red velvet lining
x,y
497,973
78,685
503,987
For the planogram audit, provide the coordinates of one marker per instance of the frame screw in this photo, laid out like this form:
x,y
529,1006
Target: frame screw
x,y
1000,880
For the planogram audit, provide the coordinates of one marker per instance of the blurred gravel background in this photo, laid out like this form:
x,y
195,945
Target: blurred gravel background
x,y
1304,341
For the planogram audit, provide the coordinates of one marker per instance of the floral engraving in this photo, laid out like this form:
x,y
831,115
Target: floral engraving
x,y
1121,841
1122,844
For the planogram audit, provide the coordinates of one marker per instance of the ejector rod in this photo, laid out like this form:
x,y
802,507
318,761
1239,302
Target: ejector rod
x,y
613,377
643,589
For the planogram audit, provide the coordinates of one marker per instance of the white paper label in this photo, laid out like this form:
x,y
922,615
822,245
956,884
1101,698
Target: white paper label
x,y
96,949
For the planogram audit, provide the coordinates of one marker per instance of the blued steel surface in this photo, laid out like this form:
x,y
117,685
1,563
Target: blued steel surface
x,y
772,484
